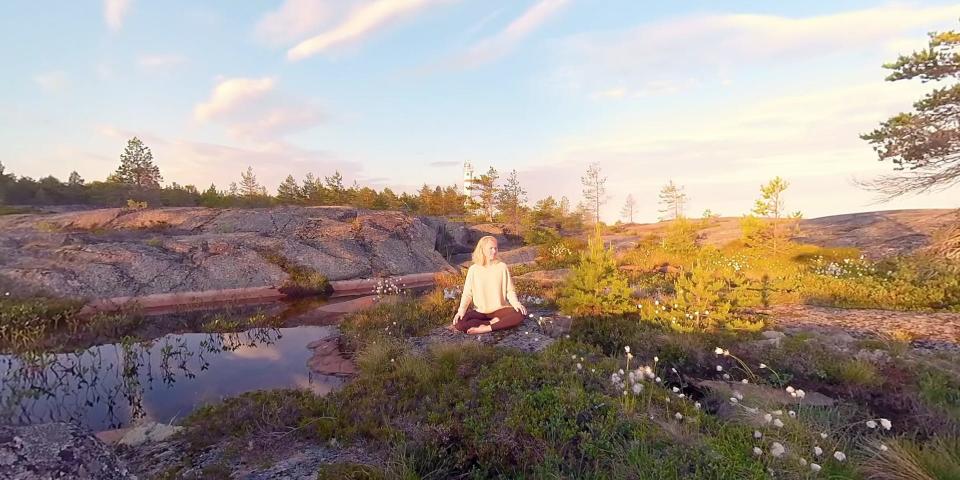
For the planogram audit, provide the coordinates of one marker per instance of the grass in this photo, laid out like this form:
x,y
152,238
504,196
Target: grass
x,y
475,411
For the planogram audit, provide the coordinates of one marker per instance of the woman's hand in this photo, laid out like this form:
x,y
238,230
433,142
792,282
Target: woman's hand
x,y
520,308
457,317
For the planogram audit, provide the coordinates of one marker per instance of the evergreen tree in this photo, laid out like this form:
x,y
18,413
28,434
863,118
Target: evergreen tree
x,y
136,167
249,187
596,286
335,188
673,201
628,208
923,144
289,192
484,191
74,180
594,191
511,199
775,231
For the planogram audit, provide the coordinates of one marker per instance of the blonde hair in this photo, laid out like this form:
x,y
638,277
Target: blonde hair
x,y
479,257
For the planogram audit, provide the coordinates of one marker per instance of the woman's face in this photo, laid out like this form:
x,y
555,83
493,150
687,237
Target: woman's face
x,y
490,250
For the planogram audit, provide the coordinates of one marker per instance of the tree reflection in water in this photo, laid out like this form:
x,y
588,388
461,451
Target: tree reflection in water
x,y
104,386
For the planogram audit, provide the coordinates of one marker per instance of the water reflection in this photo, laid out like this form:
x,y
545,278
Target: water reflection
x,y
111,386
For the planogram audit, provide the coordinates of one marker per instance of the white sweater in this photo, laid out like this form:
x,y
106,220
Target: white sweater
x,y
489,287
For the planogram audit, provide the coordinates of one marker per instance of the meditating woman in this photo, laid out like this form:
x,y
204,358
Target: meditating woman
x,y
489,287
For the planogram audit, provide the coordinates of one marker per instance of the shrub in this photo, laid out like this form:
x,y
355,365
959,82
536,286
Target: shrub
x,y
136,205
302,281
596,287
26,323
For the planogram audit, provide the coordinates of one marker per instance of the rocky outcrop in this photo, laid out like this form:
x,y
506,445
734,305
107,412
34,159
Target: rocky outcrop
x,y
117,252
56,450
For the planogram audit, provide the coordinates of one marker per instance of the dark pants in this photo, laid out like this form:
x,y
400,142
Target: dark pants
x,y
509,318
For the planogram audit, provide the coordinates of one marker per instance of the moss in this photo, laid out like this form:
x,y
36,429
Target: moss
x,y
301,281
854,372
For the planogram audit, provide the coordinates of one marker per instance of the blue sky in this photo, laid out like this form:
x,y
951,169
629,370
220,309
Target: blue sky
x,y
717,96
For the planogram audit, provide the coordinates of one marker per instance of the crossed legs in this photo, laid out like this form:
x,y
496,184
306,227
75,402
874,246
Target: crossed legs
x,y
474,322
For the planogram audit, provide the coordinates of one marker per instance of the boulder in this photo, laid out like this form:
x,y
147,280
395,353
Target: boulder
x,y
115,252
56,450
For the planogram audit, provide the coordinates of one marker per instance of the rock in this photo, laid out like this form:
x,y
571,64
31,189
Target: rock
x,y
772,334
520,255
546,276
56,450
113,252
149,432
755,394
328,360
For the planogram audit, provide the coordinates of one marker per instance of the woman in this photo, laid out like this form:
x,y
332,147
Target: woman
x,y
490,288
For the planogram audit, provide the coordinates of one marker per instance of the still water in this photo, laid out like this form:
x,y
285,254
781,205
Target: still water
x,y
112,386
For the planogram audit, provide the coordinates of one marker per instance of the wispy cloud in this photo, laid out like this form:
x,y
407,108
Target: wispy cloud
x,y
200,163
161,61
251,110
51,81
706,48
114,12
232,93
359,24
501,43
296,19
444,163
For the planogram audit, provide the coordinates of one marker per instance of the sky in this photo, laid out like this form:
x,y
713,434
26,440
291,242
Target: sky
x,y
718,97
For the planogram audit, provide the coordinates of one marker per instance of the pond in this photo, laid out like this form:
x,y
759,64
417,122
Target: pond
x,y
115,385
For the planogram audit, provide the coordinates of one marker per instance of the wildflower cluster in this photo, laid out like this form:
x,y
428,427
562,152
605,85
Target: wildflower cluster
x,y
452,293
560,252
385,287
532,300
846,268
775,441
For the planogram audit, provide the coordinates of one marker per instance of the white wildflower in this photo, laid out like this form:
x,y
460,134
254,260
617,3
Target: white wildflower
x,y
579,366
886,424
814,467
726,376
803,462
777,423
823,435
792,414
744,381
767,417
627,348
883,448
718,351
762,366
777,449
757,434
871,424
840,456
679,416
675,390
637,388
790,389
719,368
817,451
696,405
757,451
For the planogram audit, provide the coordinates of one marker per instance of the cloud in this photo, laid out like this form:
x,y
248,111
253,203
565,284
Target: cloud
x,y
702,47
51,81
252,111
723,154
114,11
498,45
296,19
232,93
359,24
444,163
189,162
161,61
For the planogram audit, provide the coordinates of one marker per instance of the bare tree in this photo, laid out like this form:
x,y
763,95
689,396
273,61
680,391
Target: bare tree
x,y
628,208
594,191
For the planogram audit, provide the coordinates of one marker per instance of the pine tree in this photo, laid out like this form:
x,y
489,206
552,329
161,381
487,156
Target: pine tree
x,y
75,179
289,192
484,189
700,299
673,201
511,198
922,144
136,167
211,197
594,191
249,187
775,232
335,189
628,208
596,286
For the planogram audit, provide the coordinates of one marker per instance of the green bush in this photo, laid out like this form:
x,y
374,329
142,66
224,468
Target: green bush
x,y
26,323
596,286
